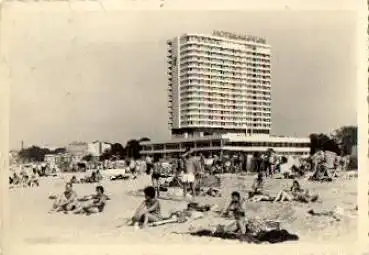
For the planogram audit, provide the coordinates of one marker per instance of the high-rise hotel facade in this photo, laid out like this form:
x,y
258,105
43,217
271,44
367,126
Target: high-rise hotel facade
x,y
219,83
219,97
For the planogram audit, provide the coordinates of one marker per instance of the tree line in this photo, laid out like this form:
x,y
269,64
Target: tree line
x,y
341,141
117,151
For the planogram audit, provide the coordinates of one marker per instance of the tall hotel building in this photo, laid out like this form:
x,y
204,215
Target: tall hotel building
x,y
219,97
219,83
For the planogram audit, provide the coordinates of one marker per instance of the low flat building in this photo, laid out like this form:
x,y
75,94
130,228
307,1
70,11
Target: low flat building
x,y
228,144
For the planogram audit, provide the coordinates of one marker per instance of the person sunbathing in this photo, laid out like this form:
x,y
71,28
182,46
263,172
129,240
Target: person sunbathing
x,y
67,200
237,210
95,203
257,186
149,209
296,193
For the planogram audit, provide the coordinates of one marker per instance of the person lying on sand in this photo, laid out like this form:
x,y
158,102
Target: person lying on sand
x,y
95,203
296,193
236,209
67,200
149,210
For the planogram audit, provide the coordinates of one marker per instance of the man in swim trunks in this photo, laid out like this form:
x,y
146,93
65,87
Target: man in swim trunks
x,y
96,203
191,168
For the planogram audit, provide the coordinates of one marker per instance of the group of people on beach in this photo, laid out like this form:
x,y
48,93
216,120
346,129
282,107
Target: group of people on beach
x,y
69,201
192,171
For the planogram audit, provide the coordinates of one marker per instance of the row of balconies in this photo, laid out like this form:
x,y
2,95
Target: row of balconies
x,y
224,74
221,53
239,88
228,114
223,118
221,68
210,90
191,78
222,124
239,60
193,102
235,99
221,64
243,109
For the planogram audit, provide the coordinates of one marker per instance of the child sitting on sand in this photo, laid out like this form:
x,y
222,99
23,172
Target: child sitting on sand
x,y
67,200
149,209
96,203
237,209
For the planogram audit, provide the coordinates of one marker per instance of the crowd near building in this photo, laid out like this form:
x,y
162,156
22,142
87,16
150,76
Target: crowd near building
x,y
219,95
76,151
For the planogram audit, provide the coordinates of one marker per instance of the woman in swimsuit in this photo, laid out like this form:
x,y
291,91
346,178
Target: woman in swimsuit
x,y
296,192
149,210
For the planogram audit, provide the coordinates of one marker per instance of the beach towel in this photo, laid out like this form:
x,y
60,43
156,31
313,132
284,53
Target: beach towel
x,y
273,236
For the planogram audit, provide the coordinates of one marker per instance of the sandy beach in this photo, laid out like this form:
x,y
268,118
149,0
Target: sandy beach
x,y
33,225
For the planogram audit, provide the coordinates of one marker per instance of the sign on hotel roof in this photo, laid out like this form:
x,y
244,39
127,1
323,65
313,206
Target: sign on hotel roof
x,y
233,36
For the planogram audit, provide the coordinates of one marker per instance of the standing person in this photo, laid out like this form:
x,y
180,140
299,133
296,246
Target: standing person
x,y
272,163
189,173
155,177
149,164
262,165
132,168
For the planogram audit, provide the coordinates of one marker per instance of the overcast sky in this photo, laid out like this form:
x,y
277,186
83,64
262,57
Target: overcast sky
x,y
87,76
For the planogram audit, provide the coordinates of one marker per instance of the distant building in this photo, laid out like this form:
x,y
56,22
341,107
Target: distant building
x,y
97,148
228,144
77,150
219,83
219,97
60,160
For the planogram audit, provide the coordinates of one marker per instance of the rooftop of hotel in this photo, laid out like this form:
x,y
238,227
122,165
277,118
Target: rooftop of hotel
x,y
230,36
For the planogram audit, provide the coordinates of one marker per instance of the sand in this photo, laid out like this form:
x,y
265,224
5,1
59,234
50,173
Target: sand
x,y
31,224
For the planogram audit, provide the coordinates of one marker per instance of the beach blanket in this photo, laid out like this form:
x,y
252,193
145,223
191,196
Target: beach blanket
x,y
273,236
